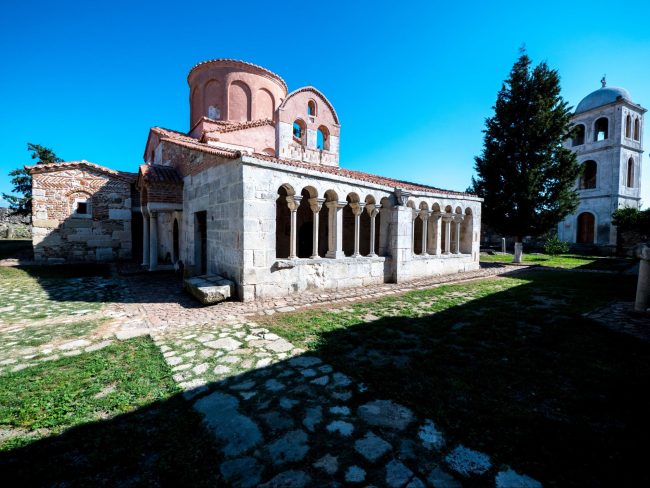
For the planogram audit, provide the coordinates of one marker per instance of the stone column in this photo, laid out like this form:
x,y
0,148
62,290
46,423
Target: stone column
x,y
373,211
437,219
414,216
519,251
293,202
145,239
357,210
335,229
424,215
446,222
401,240
643,283
457,220
153,241
315,204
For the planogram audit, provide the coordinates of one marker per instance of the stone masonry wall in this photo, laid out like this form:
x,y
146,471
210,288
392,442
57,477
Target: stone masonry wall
x,y
61,235
14,226
218,191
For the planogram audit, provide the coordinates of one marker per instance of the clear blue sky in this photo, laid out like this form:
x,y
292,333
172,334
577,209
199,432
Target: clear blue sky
x,y
412,83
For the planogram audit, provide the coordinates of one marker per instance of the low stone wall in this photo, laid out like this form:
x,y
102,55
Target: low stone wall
x,y
423,266
14,226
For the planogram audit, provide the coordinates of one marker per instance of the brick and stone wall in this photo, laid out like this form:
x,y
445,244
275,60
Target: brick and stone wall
x,y
14,226
61,234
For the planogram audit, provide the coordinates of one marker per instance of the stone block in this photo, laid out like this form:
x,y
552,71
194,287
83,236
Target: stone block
x,y
46,223
209,289
119,214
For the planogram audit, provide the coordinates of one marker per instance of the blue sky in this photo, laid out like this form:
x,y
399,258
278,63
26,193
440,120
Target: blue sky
x,y
412,83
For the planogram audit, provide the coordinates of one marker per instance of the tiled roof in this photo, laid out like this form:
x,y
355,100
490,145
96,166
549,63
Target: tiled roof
x,y
186,141
235,126
172,134
153,173
241,63
359,175
48,168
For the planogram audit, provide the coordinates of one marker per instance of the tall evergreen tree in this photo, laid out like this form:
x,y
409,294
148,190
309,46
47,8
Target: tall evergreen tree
x,y
525,174
22,179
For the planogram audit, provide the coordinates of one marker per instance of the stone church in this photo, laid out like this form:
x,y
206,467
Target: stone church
x,y
253,192
608,142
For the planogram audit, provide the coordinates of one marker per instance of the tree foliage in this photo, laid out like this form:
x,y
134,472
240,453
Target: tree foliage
x,y
525,174
21,179
628,218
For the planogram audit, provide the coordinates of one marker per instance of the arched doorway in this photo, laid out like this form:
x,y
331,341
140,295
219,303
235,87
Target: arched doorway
x,y
175,257
586,224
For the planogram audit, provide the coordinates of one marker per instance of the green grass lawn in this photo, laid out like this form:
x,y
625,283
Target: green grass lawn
x,y
112,417
568,261
506,366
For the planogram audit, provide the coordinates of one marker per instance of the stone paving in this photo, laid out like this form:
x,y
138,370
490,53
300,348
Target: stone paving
x,y
621,317
282,417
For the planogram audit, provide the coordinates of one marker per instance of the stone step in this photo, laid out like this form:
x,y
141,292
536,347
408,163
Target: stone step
x,y
209,289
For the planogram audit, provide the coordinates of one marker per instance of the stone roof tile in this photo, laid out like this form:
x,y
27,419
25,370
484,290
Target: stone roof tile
x,y
154,173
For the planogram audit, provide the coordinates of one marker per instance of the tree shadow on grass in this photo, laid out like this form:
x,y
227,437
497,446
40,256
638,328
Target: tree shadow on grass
x,y
516,374
520,375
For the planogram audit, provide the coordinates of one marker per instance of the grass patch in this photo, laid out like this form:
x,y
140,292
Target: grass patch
x,y
569,261
506,366
109,417
39,292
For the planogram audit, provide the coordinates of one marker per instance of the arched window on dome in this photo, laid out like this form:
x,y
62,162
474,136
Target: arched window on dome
x,y
323,139
299,131
628,126
637,129
311,108
588,176
601,129
630,173
578,137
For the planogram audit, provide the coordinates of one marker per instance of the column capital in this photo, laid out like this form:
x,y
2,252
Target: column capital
x,y
316,204
447,217
402,196
333,204
293,202
458,218
424,214
357,207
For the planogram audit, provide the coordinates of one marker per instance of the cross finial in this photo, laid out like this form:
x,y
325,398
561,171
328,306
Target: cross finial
x,y
603,81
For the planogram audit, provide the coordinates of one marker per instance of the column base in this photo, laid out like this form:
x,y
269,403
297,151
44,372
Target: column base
x,y
314,257
335,254
356,255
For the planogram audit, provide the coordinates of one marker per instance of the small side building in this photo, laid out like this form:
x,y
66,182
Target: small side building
x,y
81,212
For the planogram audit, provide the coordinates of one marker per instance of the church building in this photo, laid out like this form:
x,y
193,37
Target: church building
x,y
608,143
253,192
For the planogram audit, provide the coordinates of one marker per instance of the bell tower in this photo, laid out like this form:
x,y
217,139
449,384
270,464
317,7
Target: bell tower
x,y
608,143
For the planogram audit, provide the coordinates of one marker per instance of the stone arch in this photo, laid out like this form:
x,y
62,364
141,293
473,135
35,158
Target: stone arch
x,y
588,176
299,131
80,203
629,182
628,126
348,223
467,232
601,129
586,228
311,108
264,105
239,102
283,221
212,100
578,136
637,129
323,138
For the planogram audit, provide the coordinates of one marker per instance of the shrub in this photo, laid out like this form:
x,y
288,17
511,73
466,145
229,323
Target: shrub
x,y
554,246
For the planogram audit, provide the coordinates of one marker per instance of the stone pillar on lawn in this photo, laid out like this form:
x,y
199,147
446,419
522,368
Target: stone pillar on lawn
x,y
643,282
519,250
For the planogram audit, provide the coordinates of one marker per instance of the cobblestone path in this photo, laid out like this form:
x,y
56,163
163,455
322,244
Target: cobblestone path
x,y
284,418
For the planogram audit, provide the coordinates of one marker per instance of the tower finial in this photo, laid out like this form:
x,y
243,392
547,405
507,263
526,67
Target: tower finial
x,y
603,81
